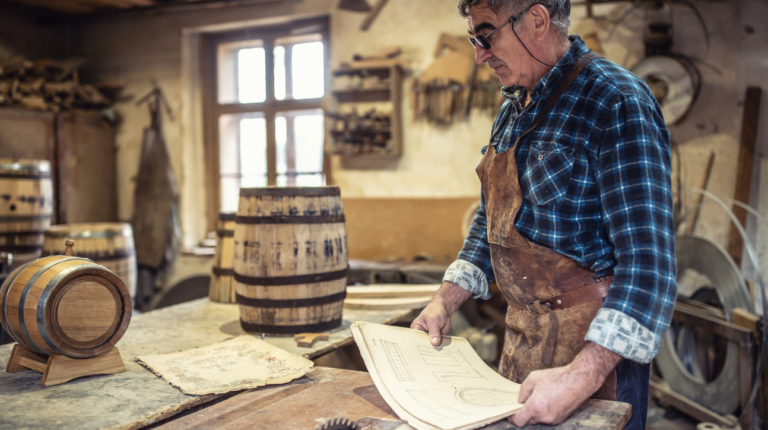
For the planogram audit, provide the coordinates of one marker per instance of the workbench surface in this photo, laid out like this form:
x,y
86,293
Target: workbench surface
x,y
137,398
327,393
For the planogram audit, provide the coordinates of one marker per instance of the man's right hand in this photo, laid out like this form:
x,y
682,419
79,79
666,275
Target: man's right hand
x,y
435,319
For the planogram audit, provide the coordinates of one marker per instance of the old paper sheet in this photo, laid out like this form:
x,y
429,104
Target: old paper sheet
x,y
448,387
236,364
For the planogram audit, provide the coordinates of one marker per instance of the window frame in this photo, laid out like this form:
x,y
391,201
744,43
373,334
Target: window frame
x,y
213,110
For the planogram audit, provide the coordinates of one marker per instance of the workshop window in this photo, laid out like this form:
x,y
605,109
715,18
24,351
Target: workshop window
x,y
262,106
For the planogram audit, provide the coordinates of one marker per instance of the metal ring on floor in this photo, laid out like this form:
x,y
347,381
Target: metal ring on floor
x,y
709,259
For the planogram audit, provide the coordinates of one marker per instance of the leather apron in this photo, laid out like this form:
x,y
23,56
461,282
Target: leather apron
x,y
552,299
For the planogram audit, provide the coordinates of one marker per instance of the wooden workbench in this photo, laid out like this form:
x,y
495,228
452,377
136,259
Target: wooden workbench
x,y
334,393
137,397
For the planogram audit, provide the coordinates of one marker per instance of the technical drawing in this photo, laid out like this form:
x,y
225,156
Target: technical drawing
x,y
486,396
396,360
450,375
435,357
428,402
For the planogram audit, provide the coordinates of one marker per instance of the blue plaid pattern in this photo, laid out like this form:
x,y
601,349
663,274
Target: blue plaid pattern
x,y
596,182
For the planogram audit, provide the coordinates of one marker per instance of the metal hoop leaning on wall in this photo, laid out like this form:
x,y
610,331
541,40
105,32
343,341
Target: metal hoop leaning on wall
x,y
290,259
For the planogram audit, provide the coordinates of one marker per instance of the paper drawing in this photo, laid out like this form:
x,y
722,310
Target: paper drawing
x,y
236,364
448,387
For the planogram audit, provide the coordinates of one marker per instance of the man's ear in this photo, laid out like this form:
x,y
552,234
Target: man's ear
x,y
540,19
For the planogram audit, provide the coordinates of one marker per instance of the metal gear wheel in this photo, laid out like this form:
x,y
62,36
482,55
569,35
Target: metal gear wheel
x,y
338,424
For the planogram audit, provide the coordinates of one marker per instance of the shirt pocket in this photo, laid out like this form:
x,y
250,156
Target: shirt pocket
x,y
547,173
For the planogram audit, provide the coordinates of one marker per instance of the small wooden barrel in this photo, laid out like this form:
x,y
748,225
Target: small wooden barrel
x,y
26,205
108,244
290,259
222,289
65,305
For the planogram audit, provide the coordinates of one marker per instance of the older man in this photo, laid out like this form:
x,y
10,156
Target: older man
x,y
575,224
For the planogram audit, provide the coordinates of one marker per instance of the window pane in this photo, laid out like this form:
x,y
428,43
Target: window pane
x,y
242,155
309,131
280,72
281,138
228,65
251,75
308,70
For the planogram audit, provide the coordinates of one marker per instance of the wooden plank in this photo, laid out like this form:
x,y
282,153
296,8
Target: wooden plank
x,y
302,404
391,291
87,173
746,162
387,304
683,404
137,397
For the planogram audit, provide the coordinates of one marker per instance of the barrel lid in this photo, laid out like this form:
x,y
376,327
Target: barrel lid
x,y
89,230
22,167
291,191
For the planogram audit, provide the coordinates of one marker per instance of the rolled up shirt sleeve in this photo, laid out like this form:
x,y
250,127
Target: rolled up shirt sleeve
x,y
634,185
472,270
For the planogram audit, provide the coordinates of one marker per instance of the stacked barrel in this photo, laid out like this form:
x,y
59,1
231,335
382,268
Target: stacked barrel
x,y
290,259
26,207
108,244
222,288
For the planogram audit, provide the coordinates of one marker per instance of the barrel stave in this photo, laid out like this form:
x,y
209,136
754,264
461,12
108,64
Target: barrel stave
x,y
222,288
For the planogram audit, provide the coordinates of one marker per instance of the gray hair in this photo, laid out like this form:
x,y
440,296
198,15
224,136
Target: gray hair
x,y
559,10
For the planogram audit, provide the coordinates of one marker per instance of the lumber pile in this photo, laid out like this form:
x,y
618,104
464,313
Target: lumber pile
x,y
51,85
389,296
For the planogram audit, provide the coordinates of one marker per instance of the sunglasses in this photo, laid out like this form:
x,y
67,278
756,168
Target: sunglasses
x,y
482,39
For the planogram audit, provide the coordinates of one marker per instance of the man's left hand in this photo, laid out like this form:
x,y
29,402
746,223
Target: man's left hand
x,y
550,396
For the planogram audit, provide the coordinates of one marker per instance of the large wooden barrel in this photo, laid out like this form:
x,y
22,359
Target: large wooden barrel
x,y
290,259
108,244
65,305
26,206
222,289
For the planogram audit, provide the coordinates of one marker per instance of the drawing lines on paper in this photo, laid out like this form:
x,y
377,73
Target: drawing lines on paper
x,y
428,402
396,360
450,375
486,396
434,357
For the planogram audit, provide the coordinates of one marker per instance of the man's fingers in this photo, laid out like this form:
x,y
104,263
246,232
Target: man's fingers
x,y
434,335
419,324
522,417
527,388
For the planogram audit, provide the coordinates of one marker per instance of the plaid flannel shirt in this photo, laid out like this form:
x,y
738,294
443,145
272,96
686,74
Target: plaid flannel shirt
x,y
595,177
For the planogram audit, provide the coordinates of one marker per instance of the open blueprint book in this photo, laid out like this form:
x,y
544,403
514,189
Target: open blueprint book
x,y
447,387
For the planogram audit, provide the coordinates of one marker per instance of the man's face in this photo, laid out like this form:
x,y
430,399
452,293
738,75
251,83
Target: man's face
x,y
506,57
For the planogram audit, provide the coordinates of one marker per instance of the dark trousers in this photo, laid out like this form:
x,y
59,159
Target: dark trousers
x,y
632,380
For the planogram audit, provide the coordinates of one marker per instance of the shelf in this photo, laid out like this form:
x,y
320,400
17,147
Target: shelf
x,y
357,95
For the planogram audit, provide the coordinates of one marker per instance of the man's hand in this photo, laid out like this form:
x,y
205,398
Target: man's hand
x,y
550,396
435,319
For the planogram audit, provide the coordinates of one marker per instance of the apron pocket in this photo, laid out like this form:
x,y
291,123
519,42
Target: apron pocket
x,y
547,174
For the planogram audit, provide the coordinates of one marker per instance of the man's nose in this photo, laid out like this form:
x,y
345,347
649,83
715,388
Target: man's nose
x,y
481,54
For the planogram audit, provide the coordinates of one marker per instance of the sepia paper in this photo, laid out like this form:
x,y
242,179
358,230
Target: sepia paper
x,y
447,387
236,364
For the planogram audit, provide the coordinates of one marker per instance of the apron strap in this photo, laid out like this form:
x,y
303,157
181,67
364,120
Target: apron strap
x,y
573,72
583,295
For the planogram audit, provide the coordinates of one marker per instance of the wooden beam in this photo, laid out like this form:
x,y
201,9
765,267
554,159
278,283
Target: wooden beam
x,y
372,15
746,161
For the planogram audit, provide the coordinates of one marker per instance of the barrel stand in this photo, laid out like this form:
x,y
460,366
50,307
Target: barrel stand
x,y
58,369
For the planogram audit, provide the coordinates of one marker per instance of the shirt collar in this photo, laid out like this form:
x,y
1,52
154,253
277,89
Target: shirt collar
x,y
578,47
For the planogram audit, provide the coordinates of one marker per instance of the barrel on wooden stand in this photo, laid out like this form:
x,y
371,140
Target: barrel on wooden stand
x,y
290,260
108,244
222,289
65,305
26,207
